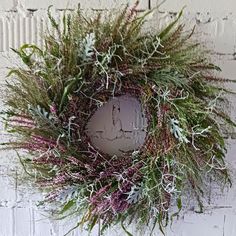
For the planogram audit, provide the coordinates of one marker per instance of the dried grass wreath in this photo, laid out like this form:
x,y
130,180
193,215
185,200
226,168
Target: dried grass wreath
x,y
90,60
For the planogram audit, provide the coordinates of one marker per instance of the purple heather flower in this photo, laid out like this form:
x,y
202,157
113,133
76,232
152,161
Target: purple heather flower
x,y
53,109
61,178
22,121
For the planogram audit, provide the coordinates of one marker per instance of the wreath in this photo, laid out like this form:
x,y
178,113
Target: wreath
x,y
85,62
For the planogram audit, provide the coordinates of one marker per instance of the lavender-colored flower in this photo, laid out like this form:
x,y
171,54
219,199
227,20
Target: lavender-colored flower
x,y
53,109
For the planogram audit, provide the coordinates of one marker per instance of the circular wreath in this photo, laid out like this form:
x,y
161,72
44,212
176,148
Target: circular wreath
x,y
85,62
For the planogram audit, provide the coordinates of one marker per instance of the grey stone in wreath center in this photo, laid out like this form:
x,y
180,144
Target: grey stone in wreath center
x,y
118,126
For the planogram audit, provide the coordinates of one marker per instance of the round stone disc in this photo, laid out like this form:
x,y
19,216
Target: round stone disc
x,y
118,126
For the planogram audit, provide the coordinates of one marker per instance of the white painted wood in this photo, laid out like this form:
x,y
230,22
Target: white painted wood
x,y
210,6
96,4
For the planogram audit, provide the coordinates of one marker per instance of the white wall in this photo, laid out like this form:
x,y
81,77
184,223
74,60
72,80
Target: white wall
x,y
20,21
